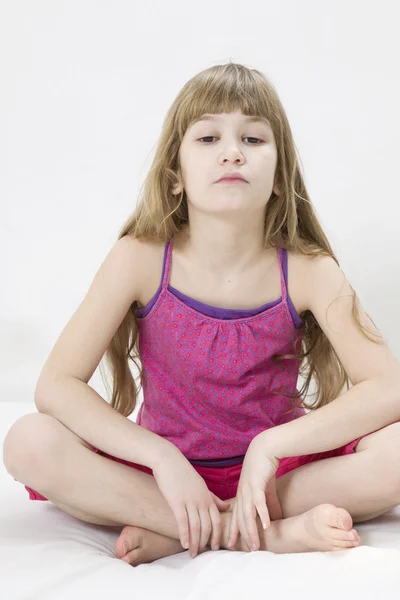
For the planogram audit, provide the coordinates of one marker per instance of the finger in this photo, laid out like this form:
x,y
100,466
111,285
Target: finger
x,y
221,504
182,520
274,506
263,511
233,528
216,528
205,528
241,521
194,529
250,515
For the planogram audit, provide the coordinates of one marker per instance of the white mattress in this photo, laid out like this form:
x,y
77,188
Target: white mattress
x,y
48,554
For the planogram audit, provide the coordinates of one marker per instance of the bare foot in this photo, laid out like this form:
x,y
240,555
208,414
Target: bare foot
x,y
317,530
136,545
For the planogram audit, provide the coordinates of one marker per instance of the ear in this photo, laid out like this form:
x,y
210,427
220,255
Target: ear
x,y
177,189
277,188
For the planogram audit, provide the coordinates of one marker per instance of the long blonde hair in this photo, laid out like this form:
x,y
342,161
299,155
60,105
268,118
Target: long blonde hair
x,y
290,222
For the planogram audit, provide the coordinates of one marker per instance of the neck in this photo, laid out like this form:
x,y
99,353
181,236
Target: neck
x,y
222,251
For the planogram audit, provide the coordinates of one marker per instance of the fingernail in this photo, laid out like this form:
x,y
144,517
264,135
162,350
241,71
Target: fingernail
x,y
230,542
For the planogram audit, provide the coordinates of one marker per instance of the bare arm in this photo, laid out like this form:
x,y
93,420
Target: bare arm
x,y
80,408
62,390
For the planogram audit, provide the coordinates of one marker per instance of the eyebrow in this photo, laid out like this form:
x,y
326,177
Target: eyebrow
x,y
249,119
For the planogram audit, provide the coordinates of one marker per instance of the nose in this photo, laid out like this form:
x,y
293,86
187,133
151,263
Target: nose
x,y
232,155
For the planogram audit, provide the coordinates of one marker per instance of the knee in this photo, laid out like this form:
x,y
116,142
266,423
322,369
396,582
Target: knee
x,y
387,451
28,442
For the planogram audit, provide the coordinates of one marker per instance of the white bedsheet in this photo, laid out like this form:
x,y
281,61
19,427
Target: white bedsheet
x,y
48,554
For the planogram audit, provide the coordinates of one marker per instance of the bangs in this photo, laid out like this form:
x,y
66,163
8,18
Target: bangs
x,y
224,91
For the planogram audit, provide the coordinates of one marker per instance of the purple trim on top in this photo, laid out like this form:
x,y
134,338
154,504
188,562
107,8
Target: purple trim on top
x,y
216,311
218,462
220,313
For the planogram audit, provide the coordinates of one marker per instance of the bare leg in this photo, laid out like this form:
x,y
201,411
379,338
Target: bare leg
x,y
89,486
98,490
329,480
362,482
316,530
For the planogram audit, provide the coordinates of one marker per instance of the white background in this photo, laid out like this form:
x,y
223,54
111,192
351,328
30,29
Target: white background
x,y
84,88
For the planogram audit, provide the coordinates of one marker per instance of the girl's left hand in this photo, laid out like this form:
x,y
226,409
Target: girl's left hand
x,y
256,493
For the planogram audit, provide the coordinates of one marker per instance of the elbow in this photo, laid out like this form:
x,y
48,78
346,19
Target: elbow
x,y
47,389
44,391
39,397
391,384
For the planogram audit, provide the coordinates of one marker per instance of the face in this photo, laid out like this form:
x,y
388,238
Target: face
x,y
229,142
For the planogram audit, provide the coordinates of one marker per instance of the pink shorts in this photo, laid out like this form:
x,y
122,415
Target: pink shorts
x,y
223,481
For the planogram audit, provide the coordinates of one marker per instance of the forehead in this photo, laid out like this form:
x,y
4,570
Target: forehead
x,y
226,117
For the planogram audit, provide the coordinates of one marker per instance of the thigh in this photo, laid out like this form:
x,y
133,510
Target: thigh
x,y
304,485
289,463
128,463
223,481
32,429
215,478
387,438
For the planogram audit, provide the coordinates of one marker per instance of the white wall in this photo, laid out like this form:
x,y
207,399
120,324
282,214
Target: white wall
x,y
84,89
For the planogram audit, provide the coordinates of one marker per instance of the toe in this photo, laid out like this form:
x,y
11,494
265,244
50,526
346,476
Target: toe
x,y
349,536
343,519
132,557
343,544
119,548
122,546
336,517
129,539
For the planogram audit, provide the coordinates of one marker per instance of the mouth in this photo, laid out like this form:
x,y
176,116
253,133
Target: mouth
x,y
231,180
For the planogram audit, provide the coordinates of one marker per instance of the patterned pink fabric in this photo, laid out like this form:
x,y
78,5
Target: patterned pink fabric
x,y
208,382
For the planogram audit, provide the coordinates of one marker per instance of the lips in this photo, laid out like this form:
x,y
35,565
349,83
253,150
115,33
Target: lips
x,y
232,177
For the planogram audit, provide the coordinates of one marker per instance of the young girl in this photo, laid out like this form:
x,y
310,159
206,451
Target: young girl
x,y
222,288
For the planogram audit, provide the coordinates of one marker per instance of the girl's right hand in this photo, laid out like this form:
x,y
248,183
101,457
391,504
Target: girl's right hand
x,y
195,508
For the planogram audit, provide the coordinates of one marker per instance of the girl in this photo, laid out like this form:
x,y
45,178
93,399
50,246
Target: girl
x,y
223,445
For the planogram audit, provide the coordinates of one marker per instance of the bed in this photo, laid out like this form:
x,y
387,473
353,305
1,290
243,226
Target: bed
x,y
48,554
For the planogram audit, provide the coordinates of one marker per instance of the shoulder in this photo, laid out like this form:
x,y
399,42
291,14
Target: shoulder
x,y
129,252
298,268
330,298
145,255
123,266
147,251
322,280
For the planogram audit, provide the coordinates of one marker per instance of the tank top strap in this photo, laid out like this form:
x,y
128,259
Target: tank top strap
x,y
282,257
167,263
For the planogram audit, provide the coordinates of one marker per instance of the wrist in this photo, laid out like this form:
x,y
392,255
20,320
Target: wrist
x,y
164,449
270,443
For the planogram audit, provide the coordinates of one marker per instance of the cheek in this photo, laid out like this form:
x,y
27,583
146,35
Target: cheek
x,y
266,166
198,171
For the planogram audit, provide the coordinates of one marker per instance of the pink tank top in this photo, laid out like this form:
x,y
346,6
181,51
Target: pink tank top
x,y
208,372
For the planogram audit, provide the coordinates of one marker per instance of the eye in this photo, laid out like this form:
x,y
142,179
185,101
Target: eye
x,y
247,137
